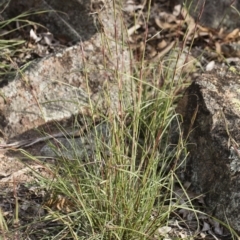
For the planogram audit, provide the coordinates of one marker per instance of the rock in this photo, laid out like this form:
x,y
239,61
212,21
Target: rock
x,y
86,147
88,77
71,19
211,113
214,13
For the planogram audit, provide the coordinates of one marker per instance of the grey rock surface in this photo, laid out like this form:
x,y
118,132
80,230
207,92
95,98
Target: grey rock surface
x,y
214,13
69,18
84,148
78,80
211,112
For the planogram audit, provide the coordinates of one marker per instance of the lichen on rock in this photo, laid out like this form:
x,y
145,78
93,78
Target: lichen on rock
x,y
235,160
211,123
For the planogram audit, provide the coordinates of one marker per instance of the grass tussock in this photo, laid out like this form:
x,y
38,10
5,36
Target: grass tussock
x,y
124,189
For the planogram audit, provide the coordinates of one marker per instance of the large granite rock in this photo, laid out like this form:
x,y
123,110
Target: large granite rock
x,y
213,13
211,113
90,75
69,18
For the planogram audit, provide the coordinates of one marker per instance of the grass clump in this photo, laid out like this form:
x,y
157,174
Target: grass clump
x,y
123,189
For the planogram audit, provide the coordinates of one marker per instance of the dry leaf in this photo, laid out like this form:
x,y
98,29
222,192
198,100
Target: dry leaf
x,y
163,231
48,38
133,29
34,36
177,10
232,35
210,66
163,24
206,227
162,44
